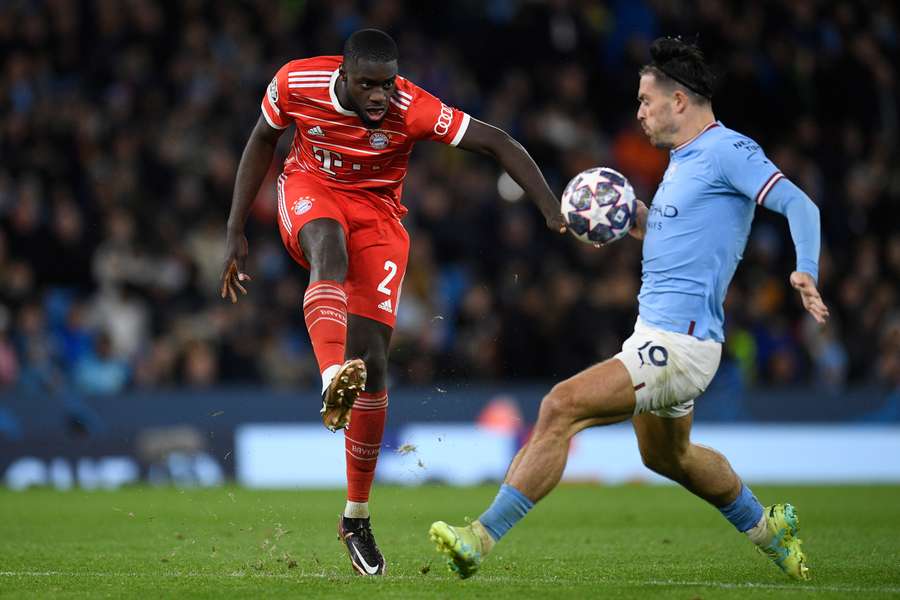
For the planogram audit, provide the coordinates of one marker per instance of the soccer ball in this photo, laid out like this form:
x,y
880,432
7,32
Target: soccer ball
x,y
599,205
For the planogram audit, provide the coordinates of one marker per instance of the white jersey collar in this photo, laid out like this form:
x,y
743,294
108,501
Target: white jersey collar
x,y
334,99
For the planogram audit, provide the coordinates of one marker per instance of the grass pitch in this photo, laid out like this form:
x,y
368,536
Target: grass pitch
x,y
582,541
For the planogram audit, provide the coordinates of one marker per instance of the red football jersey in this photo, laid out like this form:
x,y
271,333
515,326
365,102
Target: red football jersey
x,y
332,144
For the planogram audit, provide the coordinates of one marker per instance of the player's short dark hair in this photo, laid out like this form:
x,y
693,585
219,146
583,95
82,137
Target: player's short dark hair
x,y
682,63
370,44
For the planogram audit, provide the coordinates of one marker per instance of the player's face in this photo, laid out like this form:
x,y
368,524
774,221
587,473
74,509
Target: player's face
x,y
655,112
369,88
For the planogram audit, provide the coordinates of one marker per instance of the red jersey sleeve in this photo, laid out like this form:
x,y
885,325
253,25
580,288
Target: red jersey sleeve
x,y
428,118
274,98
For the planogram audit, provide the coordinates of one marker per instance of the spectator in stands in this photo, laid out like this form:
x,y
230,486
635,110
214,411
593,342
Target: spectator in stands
x,y
120,130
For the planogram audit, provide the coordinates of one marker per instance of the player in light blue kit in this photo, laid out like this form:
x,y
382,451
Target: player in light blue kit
x,y
694,235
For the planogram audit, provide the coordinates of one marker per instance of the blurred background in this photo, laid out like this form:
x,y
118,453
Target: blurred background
x,y
122,123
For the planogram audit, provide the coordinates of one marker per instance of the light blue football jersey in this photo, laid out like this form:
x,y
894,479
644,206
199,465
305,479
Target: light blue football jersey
x,y
697,229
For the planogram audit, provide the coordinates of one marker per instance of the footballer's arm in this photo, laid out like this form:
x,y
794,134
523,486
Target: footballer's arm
x,y
254,165
803,219
487,139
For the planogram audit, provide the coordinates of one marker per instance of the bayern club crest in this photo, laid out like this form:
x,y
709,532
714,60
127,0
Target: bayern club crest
x,y
379,140
302,205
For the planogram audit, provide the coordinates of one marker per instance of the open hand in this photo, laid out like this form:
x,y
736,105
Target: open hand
x,y
236,249
812,301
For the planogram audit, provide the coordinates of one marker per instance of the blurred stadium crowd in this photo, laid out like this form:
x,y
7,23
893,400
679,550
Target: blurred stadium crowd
x,y
122,123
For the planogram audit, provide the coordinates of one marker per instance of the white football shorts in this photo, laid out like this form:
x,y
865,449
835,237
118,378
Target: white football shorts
x,y
668,370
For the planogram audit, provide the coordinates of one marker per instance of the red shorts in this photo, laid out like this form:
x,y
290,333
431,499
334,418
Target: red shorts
x,y
377,243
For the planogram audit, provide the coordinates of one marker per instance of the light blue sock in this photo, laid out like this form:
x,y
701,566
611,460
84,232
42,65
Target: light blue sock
x,y
745,512
508,508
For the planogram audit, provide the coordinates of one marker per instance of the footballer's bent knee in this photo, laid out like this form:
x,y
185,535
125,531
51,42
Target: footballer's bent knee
x,y
558,406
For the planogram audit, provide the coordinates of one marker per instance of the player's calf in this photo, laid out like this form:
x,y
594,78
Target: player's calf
x,y
363,446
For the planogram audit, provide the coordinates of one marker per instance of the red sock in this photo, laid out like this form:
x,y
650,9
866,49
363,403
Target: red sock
x,y
363,443
325,311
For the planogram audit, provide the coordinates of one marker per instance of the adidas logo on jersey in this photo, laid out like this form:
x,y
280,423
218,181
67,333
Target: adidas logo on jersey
x,y
386,306
317,131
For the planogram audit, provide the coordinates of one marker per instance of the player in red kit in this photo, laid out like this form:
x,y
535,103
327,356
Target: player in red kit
x,y
355,122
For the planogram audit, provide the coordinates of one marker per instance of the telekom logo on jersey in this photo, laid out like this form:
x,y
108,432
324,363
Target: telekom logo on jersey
x,y
328,158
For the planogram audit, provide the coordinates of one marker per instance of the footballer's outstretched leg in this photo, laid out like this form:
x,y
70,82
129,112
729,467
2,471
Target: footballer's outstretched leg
x,y
599,395
666,448
325,303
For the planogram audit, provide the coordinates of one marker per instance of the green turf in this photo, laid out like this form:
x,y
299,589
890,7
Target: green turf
x,y
583,541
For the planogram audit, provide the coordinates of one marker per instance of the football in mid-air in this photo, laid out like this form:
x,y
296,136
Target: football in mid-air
x,y
599,205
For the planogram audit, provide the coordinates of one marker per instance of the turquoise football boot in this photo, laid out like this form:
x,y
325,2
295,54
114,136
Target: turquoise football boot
x,y
784,548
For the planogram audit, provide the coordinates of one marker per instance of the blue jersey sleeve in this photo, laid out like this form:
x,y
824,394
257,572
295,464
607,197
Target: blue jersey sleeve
x,y
803,218
744,166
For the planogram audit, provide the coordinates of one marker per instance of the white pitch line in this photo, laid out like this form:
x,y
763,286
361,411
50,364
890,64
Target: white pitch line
x,y
169,574
490,579
883,589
